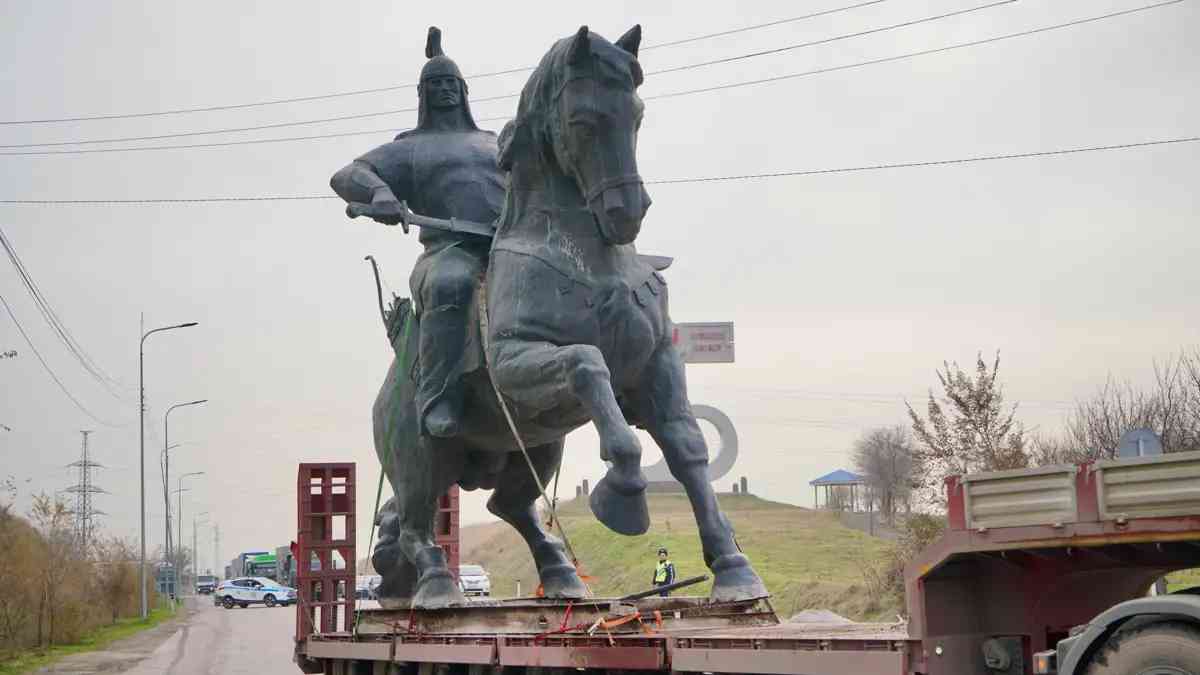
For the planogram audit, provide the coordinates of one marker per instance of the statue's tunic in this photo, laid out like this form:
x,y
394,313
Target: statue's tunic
x,y
445,174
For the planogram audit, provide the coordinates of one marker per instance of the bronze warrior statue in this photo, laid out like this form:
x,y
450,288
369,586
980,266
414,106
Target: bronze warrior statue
x,y
573,327
445,167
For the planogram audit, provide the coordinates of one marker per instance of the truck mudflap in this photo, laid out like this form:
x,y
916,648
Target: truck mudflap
x,y
1072,653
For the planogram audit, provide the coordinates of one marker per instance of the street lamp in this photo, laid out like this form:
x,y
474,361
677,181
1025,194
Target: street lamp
x,y
167,468
162,473
142,450
196,551
179,549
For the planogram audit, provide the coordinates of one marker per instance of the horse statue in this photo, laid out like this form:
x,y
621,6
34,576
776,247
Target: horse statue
x,y
574,328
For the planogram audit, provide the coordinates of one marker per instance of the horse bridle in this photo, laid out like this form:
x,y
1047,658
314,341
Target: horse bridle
x,y
596,191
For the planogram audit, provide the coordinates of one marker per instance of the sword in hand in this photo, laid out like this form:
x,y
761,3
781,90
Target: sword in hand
x,y
394,212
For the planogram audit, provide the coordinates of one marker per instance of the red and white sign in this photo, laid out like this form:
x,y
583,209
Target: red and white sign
x,y
710,342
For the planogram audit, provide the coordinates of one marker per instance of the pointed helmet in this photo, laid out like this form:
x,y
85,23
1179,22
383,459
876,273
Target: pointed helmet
x,y
440,65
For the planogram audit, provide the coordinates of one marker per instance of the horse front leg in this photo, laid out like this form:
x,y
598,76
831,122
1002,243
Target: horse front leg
x,y
662,404
542,376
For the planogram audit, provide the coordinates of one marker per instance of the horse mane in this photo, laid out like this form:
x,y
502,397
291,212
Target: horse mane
x,y
528,129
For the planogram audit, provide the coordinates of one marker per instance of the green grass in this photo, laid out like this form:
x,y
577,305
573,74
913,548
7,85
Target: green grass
x,y
807,558
1183,579
31,659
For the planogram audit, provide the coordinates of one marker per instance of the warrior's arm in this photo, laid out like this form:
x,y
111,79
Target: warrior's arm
x,y
358,182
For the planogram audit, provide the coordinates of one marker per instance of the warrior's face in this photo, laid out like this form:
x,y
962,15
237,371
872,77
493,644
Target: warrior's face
x,y
443,92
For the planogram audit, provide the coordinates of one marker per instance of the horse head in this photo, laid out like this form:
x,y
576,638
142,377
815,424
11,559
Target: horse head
x,y
580,110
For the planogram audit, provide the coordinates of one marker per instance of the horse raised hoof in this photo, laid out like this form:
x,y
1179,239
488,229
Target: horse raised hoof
x,y
562,581
623,513
734,579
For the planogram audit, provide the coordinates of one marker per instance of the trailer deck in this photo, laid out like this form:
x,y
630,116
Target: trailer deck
x,y
681,633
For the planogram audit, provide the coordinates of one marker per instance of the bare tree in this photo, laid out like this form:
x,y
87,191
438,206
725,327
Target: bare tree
x,y
968,428
884,457
116,575
18,551
1170,407
53,522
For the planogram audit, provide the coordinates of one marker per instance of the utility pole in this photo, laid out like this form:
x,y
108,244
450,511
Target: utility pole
x,y
83,491
196,551
216,559
178,573
142,452
166,469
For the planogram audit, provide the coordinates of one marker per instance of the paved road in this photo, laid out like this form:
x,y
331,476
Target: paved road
x,y
216,641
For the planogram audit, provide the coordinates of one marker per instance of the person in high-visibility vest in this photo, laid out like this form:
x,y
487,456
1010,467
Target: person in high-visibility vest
x,y
664,571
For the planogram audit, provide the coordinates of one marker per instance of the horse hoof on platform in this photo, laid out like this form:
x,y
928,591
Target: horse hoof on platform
x,y
562,581
622,513
438,590
735,579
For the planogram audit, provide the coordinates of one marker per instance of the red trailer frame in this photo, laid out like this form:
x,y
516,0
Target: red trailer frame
x,y
1028,555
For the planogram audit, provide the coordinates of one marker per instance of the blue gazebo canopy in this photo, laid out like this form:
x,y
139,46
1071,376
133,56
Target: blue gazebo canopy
x,y
839,477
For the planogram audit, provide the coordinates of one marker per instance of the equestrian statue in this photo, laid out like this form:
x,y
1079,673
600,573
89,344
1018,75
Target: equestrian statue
x,y
532,315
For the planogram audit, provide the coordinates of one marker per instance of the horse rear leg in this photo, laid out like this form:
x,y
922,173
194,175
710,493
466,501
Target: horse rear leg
x,y
541,376
662,403
513,501
423,476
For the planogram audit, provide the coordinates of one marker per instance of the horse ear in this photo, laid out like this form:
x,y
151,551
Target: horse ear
x,y
433,43
581,46
631,40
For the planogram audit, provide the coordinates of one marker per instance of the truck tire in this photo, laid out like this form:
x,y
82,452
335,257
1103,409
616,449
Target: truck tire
x,y
1168,648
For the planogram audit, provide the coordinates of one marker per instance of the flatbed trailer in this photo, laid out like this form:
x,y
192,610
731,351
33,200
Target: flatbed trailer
x,y
1041,570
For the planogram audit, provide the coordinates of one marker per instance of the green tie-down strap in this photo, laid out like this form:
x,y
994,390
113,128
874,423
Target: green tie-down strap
x,y
400,319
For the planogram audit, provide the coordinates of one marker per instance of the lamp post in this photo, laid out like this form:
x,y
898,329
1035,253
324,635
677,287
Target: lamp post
x,y
196,551
142,451
167,469
179,549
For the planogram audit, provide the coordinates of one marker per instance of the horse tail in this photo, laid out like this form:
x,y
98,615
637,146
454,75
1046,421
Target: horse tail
x,y
378,290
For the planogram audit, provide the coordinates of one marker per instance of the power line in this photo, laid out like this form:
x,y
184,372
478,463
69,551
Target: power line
x,y
768,24
48,370
687,92
376,90
836,38
662,181
56,324
910,55
220,144
342,118
936,162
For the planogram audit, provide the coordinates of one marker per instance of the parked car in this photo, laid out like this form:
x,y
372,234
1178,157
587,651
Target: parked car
x,y
366,585
246,591
473,580
205,584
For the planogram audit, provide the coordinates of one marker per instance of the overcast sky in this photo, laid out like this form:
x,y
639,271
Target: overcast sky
x,y
847,290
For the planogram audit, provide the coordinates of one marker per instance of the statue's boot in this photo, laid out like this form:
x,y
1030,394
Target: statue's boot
x,y
443,420
443,337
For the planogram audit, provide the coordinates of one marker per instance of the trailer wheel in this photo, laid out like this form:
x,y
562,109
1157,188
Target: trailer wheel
x,y
1169,648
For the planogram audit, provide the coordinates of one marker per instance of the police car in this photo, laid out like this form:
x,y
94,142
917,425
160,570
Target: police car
x,y
246,591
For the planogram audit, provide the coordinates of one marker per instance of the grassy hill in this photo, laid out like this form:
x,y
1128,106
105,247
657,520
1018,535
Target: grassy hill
x,y
807,558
